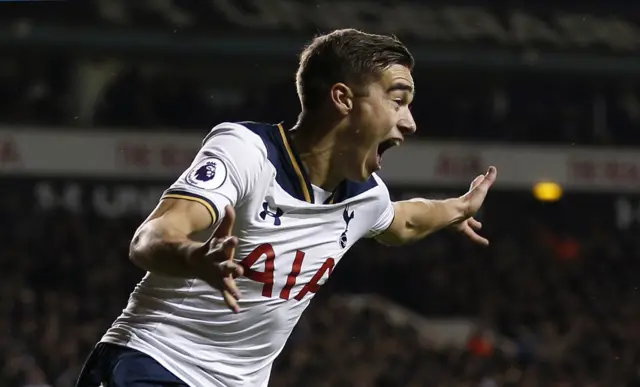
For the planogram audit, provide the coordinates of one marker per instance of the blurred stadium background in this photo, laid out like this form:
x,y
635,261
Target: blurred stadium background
x,y
104,102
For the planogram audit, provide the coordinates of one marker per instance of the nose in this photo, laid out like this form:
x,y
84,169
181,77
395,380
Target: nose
x,y
406,124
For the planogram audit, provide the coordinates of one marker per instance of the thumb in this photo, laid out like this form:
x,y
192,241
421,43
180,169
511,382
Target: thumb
x,y
491,174
487,179
479,189
226,226
476,182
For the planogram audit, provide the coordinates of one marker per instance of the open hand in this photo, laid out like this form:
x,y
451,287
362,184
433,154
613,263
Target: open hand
x,y
216,266
472,201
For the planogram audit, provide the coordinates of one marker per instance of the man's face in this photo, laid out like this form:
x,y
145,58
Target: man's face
x,y
379,120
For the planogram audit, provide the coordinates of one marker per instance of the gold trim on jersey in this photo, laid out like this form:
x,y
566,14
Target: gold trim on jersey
x,y
296,166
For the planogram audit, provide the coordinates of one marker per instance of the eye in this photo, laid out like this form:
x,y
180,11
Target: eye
x,y
398,102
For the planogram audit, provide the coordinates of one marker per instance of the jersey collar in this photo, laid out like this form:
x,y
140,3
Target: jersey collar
x,y
303,187
300,183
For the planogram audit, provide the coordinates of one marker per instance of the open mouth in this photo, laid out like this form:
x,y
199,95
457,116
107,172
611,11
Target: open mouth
x,y
386,145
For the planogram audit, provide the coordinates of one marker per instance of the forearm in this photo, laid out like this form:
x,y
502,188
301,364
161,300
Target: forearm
x,y
163,250
421,217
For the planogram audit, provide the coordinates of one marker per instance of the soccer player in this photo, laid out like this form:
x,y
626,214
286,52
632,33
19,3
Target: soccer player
x,y
286,205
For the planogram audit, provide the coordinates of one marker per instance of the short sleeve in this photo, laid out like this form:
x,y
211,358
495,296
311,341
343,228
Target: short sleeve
x,y
224,171
384,211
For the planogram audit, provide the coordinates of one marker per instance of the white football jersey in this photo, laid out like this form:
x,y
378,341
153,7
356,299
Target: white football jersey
x,y
291,236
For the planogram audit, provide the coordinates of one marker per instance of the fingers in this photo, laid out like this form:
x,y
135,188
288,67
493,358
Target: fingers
x,y
231,302
479,189
230,270
227,286
468,228
222,247
224,281
492,174
488,178
474,224
468,231
231,287
228,247
226,226
230,291
476,182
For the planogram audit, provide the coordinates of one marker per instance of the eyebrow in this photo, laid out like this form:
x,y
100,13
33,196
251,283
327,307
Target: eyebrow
x,y
401,87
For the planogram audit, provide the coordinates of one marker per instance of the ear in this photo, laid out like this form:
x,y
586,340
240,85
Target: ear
x,y
342,98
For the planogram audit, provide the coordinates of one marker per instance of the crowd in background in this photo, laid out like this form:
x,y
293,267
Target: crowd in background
x,y
564,293
449,106
555,297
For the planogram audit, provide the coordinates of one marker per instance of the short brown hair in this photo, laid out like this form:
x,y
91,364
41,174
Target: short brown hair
x,y
348,55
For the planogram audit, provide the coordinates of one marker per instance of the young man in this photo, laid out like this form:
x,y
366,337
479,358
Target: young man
x,y
286,206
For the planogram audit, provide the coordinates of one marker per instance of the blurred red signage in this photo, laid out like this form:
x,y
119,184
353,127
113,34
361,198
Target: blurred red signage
x,y
164,156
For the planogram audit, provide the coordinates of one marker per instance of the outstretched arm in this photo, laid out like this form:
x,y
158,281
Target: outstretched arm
x,y
417,218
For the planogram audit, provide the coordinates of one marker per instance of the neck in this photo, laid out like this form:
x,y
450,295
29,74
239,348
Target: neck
x,y
317,146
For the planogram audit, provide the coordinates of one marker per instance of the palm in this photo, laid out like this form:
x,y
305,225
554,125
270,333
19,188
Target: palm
x,y
472,201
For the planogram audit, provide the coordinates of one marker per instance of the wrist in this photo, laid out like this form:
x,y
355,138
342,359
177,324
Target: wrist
x,y
456,210
439,213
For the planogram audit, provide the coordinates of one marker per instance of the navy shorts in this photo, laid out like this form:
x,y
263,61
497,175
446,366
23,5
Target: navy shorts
x,y
111,365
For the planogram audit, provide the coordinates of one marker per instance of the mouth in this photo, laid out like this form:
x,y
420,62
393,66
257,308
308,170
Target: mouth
x,y
388,144
385,146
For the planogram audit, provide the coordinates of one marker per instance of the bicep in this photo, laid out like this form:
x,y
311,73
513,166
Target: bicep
x,y
395,234
180,216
